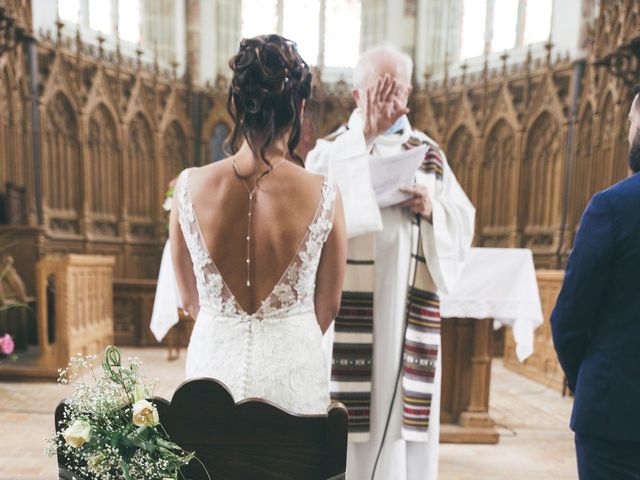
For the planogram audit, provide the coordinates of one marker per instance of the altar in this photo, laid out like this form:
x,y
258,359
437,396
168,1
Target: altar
x,y
497,287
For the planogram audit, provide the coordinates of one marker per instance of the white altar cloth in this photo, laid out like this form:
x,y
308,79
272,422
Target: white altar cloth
x,y
499,283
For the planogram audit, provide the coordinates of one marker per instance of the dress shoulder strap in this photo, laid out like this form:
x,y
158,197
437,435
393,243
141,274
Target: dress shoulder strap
x,y
183,195
328,199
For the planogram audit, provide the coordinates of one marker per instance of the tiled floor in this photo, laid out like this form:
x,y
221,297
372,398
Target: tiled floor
x,y
535,443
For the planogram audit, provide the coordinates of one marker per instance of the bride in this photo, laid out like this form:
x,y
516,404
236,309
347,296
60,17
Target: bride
x,y
259,244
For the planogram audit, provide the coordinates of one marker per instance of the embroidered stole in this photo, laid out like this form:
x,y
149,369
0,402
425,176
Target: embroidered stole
x,y
353,345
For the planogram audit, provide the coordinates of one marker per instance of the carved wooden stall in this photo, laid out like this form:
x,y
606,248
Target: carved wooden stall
x,y
120,130
505,134
133,307
74,314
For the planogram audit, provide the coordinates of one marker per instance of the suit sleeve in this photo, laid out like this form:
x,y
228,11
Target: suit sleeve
x,y
579,304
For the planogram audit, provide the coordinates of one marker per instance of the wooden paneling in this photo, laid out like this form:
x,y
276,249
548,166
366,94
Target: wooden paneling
x,y
133,307
83,306
74,314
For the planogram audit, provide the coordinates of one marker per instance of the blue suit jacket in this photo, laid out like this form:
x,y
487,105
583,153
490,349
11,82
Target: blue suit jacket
x,y
596,320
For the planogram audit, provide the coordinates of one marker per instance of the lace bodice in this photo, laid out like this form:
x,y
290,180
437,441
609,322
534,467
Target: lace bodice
x,y
275,353
292,294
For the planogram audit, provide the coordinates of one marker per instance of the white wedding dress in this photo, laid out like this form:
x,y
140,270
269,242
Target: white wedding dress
x,y
275,353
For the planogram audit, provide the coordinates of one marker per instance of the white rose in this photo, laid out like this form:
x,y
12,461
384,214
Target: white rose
x,y
78,433
145,414
168,203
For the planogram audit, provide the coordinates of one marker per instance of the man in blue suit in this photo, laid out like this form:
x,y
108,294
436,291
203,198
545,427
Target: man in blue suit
x,y
596,326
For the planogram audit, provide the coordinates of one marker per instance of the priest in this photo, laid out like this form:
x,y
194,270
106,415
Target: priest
x,y
386,360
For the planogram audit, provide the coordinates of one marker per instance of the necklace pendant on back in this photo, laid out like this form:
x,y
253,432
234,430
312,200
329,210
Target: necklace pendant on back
x,y
251,194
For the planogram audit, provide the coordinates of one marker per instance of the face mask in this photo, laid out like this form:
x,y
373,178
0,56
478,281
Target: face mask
x,y
399,125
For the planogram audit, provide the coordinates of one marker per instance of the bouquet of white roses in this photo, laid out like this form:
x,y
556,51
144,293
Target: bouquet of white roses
x,y
109,430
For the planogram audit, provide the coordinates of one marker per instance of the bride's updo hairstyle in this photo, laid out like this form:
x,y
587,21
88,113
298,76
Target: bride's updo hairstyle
x,y
270,81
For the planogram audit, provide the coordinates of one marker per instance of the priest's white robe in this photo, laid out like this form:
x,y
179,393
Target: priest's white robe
x,y
446,241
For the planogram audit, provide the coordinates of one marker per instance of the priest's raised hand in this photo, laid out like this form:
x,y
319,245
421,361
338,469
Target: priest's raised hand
x,y
385,102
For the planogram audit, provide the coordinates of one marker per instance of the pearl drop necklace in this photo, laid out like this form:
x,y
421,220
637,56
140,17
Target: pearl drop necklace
x,y
252,193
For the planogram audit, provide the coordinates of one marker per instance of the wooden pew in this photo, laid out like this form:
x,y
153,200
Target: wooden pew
x,y
248,440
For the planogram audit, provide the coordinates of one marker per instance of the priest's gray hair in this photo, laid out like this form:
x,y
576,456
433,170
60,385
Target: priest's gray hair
x,y
360,70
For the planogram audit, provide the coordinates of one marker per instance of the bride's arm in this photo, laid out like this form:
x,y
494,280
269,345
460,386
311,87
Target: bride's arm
x,y
331,270
182,264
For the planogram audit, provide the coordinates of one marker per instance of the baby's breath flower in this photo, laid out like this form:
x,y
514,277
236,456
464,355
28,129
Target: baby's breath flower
x,y
102,400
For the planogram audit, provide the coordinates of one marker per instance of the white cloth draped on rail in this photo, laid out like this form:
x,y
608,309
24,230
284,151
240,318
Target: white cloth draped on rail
x,y
498,283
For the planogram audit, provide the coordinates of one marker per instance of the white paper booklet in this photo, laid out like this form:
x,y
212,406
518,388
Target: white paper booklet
x,y
388,174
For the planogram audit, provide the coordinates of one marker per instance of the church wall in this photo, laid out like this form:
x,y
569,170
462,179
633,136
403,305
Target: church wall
x,y
113,131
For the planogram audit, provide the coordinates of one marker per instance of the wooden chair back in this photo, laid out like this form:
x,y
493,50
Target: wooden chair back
x,y
254,438
251,439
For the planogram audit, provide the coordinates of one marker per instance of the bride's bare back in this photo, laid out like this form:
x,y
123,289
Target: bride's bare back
x,y
284,206
268,91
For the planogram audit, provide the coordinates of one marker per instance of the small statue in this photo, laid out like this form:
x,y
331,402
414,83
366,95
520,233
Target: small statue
x,y
12,287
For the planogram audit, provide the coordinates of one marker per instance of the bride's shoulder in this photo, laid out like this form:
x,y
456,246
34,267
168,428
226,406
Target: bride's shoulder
x,y
212,171
207,177
307,176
